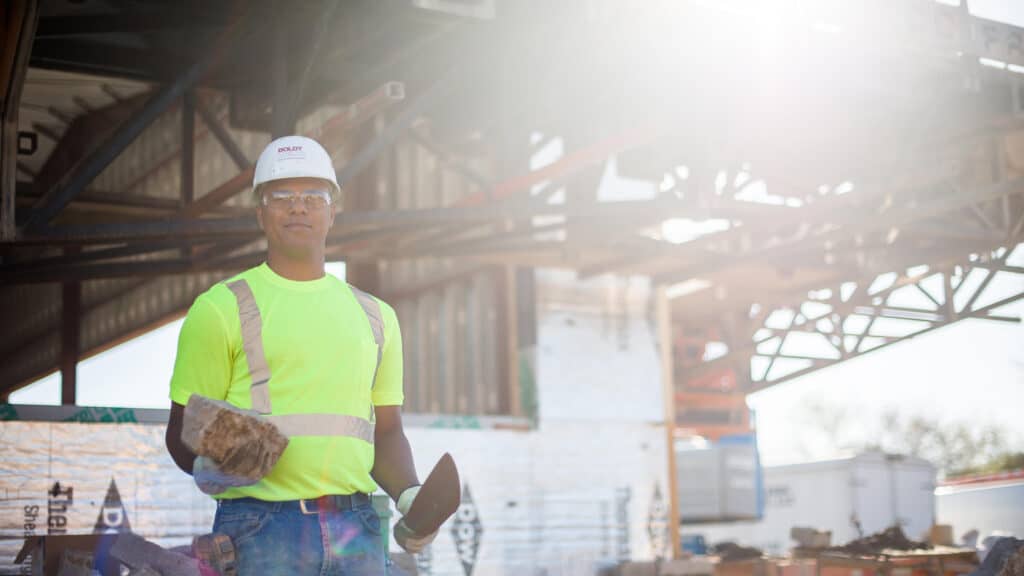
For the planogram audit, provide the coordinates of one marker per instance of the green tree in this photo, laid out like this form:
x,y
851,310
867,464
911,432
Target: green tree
x,y
956,448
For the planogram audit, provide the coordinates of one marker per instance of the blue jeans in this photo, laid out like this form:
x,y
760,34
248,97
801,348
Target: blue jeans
x,y
279,538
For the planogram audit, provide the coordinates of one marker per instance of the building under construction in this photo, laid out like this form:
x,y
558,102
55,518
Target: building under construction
x,y
601,226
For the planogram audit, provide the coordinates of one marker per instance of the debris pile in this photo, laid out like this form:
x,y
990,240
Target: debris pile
x,y
892,538
732,551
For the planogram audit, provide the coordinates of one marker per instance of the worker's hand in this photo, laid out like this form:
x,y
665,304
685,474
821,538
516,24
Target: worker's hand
x,y
405,499
211,480
410,541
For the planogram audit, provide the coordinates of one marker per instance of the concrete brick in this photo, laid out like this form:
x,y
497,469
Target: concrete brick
x,y
75,563
239,441
137,552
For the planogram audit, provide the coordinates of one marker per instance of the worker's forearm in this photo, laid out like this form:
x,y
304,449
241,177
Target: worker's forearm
x,y
180,453
393,467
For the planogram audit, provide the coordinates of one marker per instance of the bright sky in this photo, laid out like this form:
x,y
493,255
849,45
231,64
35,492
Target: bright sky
x,y
972,371
135,374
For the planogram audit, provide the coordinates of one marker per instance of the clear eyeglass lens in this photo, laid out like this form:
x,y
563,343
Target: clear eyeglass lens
x,y
313,199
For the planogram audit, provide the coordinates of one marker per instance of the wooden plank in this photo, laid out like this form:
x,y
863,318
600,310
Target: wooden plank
x,y
664,323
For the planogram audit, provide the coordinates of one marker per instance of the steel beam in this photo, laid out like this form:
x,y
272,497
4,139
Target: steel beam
x,y
151,230
46,131
75,181
18,26
865,221
872,306
982,313
82,104
188,134
482,182
222,135
110,91
64,117
396,128
335,128
348,220
17,270
298,91
740,351
137,269
138,22
566,166
331,130
150,205
71,328
91,57
24,169
220,194
282,119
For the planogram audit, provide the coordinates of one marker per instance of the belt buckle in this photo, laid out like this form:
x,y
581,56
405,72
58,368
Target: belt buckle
x,y
302,507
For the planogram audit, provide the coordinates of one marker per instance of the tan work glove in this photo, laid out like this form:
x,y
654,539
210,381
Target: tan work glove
x,y
410,541
212,480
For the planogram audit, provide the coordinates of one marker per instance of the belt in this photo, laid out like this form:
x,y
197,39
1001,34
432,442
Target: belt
x,y
333,502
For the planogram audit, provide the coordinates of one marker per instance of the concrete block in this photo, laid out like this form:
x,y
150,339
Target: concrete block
x,y
75,563
239,441
807,537
137,552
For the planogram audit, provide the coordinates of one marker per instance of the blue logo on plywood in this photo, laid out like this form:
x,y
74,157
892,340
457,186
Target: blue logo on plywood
x,y
424,560
657,523
113,516
467,531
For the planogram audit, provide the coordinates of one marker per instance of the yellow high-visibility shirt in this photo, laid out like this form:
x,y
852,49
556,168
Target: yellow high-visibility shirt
x,y
321,353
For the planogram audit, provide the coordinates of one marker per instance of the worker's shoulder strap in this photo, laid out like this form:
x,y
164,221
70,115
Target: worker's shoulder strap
x,y
252,337
252,343
371,307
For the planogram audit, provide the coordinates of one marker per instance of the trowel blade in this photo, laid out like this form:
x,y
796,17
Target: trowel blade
x,y
438,498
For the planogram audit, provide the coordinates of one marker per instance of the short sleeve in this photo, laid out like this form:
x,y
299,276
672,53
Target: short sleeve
x,y
387,391
203,363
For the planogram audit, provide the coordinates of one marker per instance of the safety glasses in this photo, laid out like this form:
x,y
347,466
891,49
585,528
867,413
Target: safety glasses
x,y
315,199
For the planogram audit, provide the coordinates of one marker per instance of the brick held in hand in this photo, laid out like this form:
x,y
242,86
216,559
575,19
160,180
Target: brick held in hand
x,y
75,563
239,441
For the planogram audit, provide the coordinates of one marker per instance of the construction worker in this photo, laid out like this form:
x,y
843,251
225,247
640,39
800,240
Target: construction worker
x,y
285,338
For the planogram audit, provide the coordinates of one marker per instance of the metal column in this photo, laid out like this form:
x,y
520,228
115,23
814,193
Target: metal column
x,y
664,324
188,128
71,312
18,30
282,121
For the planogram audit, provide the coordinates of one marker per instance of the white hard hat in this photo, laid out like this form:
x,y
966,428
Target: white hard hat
x,y
294,157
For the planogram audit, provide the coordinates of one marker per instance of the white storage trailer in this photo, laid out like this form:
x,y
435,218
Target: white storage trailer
x,y
873,490
988,507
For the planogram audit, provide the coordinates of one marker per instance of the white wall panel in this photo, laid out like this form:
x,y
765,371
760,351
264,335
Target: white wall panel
x,y
596,353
